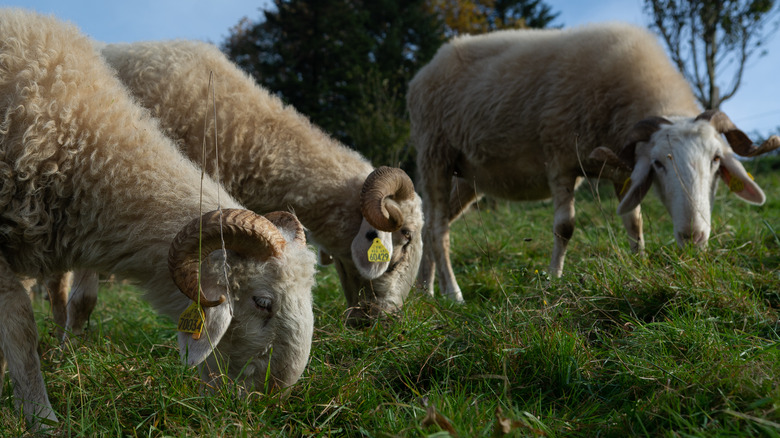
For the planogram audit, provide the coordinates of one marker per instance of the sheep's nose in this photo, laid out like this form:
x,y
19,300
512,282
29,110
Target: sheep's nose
x,y
698,238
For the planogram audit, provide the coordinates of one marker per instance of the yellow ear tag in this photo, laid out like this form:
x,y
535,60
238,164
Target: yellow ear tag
x,y
191,320
626,186
751,177
736,185
378,253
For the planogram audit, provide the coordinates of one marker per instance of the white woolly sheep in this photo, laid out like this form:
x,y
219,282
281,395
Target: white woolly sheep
x,y
516,114
87,180
272,158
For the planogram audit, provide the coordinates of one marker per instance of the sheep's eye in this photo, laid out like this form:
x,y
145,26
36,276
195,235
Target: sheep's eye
x,y
262,303
716,160
407,234
658,165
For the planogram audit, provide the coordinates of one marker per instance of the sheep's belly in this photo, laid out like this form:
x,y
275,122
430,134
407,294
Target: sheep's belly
x,y
512,181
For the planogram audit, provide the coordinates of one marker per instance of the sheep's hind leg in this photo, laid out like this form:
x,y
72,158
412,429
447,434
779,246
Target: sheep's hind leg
x,y
439,242
463,194
19,342
426,275
428,264
3,365
563,223
436,235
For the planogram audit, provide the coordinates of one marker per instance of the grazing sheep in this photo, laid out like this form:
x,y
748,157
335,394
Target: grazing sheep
x,y
272,158
87,180
516,114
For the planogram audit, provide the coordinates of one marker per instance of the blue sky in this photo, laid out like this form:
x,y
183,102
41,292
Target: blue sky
x,y
755,107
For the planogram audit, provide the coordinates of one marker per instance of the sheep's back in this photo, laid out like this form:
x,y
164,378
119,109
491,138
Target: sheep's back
x,y
82,167
506,94
43,89
270,156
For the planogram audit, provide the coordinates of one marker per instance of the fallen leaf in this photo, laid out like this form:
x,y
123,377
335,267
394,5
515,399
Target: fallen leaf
x,y
432,417
505,426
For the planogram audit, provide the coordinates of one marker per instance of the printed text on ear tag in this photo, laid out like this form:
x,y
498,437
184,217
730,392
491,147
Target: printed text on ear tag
x,y
378,253
191,321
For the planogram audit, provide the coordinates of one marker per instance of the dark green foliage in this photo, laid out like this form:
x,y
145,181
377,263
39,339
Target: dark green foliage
x,y
533,13
343,63
461,17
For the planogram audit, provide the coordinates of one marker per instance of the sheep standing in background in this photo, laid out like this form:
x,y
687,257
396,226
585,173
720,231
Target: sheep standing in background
x,y
87,180
526,114
272,158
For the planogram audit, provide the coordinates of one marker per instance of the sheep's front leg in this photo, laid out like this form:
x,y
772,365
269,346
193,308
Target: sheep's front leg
x,y
632,221
19,341
82,301
58,289
563,223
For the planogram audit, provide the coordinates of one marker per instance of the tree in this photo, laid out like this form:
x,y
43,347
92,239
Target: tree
x,y
480,16
346,63
307,53
708,39
338,60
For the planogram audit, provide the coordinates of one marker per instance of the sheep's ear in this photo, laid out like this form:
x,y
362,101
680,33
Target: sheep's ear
x,y
739,181
636,187
371,251
194,351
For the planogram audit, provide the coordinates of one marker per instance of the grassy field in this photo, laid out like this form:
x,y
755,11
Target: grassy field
x,y
679,343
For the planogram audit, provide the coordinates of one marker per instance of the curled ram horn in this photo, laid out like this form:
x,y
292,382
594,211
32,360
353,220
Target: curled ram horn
x,y
738,140
243,231
383,188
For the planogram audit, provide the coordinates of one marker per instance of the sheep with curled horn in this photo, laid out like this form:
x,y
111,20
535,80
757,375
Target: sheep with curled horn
x,y
527,114
272,158
88,180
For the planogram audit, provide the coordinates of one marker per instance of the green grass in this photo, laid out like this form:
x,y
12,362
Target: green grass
x,y
678,343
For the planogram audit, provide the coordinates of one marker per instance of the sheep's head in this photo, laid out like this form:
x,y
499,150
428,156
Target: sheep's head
x,y
262,322
684,158
386,250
